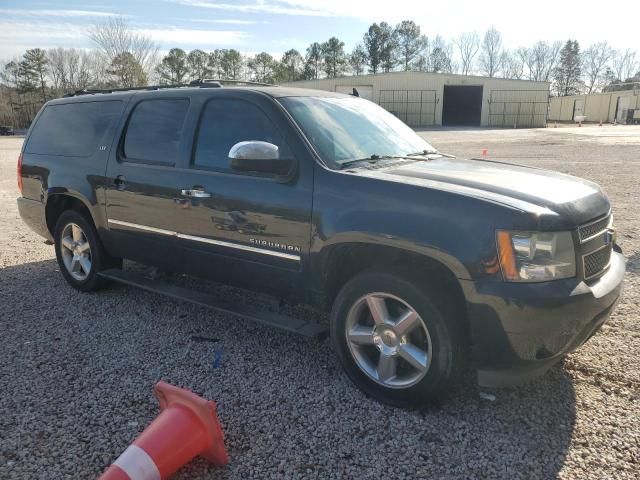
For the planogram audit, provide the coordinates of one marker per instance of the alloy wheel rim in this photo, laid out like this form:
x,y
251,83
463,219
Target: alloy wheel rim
x,y
388,340
76,252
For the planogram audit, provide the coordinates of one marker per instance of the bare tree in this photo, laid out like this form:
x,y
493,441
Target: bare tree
x,y
595,60
115,37
524,57
468,45
542,59
513,64
624,64
70,68
491,56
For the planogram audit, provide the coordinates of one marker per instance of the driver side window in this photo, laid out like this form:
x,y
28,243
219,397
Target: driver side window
x,y
226,122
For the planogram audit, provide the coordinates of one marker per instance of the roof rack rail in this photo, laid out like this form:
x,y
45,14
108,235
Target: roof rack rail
x,y
201,82
91,91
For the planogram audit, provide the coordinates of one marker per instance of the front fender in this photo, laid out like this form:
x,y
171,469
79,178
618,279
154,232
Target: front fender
x,y
398,243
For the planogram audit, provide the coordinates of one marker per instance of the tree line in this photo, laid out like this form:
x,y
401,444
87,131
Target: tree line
x,y
121,57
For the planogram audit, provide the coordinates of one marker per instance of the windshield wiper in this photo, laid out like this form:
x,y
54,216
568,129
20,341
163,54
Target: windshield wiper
x,y
371,159
429,152
375,157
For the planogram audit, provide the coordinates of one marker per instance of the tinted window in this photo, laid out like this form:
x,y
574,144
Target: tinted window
x,y
227,122
73,129
155,130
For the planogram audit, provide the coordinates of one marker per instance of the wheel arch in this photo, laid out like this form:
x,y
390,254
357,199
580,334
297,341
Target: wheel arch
x,y
345,260
59,202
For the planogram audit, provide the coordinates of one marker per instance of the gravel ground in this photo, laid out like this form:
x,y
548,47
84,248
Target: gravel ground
x,y
76,370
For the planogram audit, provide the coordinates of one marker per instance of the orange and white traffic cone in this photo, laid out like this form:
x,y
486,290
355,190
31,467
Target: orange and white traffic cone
x,y
186,427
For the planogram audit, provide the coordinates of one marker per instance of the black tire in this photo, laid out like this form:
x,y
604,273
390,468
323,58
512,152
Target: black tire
x,y
444,340
100,259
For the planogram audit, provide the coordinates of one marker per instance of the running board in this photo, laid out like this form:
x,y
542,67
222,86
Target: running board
x,y
264,317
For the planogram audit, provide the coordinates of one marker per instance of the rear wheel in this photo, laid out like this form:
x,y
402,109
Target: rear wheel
x,y
392,339
80,253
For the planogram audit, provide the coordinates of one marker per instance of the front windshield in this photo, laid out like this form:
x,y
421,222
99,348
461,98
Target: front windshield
x,y
346,129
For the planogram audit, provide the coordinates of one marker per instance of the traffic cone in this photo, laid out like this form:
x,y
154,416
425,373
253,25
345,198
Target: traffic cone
x,y
186,427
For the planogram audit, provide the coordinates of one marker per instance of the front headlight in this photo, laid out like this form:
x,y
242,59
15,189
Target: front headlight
x,y
536,256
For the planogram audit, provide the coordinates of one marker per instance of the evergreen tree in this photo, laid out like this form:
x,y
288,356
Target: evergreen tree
x,y
174,67
439,61
262,66
373,45
334,57
358,59
313,62
290,67
381,44
214,63
231,63
198,62
410,42
389,47
568,71
126,71
35,67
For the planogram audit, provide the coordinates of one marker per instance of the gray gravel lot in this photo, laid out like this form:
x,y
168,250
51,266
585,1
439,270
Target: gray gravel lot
x,y
76,370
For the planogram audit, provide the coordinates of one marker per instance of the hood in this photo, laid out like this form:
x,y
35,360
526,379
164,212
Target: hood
x,y
535,190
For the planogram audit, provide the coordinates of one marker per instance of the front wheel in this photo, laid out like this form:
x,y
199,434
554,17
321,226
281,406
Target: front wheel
x,y
392,339
80,253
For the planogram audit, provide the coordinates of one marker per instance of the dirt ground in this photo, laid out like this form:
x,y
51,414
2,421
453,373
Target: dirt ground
x,y
76,370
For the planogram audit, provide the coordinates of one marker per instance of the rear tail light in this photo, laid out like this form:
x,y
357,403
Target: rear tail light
x,y
20,173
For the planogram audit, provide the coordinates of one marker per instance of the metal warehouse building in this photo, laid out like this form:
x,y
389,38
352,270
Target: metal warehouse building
x,y
598,107
426,99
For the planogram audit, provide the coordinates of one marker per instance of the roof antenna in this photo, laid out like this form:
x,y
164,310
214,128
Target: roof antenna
x,y
355,92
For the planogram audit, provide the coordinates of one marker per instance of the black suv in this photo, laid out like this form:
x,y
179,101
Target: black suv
x,y
424,261
6,131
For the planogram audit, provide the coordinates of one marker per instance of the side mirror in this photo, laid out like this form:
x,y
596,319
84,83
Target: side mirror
x,y
261,157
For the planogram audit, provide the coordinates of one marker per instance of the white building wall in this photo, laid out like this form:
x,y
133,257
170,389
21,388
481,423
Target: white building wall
x,y
596,107
526,100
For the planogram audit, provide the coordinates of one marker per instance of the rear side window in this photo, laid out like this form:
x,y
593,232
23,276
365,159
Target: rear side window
x,y
73,129
155,130
226,122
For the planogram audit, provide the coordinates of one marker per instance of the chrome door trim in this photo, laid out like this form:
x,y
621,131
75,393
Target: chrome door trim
x,y
146,228
237,246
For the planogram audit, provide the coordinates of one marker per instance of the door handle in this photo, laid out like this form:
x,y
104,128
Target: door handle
x,y
120,182
195,193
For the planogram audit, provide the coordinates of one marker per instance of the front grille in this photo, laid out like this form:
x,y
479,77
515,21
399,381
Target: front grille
x,y
594,228
596,262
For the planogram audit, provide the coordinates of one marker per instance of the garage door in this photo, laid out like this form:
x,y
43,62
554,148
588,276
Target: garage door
x,y
416,108
519,108
365,91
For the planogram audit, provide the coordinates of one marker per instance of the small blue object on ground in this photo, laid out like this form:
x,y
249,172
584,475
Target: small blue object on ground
x,y
217,359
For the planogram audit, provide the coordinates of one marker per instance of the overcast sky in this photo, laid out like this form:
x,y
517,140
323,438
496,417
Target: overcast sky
x,y
277,25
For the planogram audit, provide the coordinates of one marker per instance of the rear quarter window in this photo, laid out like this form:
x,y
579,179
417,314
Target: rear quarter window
x,y
155,129
73,129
